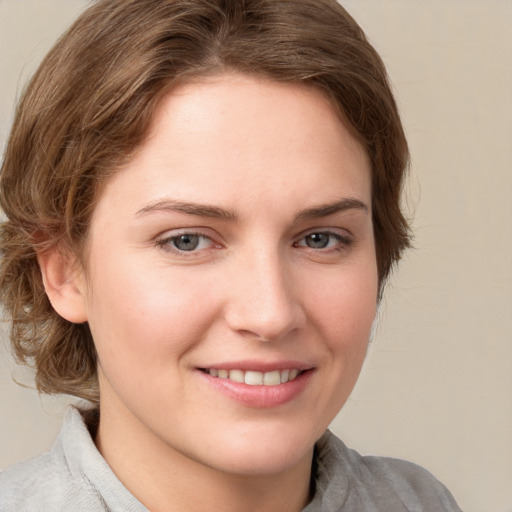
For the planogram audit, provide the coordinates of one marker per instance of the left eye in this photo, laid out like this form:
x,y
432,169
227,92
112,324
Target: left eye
x,y
186,242
323,240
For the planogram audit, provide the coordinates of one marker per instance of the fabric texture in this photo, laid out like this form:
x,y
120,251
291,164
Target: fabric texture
x,y
74,476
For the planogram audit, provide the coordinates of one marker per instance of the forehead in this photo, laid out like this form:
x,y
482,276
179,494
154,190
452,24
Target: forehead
x,y
233,135
245,101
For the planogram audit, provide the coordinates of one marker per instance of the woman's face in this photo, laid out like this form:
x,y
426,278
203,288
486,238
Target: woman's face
x,y
237,245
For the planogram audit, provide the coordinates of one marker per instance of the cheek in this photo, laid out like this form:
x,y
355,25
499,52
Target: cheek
x,y
343,312
142,318
345,306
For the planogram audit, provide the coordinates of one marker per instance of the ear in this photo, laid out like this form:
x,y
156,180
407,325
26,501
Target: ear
x,y
64,284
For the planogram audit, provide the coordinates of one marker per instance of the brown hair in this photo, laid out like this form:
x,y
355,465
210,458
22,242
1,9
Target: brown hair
x,y
90,104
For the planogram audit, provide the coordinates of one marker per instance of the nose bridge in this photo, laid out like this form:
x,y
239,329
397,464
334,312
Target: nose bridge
x,y
263,302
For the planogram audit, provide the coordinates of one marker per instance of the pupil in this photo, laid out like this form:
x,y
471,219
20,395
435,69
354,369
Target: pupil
x,y
186,242
317,240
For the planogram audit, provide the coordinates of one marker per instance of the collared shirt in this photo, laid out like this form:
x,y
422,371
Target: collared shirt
x,y
73,476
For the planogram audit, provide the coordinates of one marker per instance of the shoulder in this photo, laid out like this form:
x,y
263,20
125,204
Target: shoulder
x,y
42,483
381,482
51,481
411,482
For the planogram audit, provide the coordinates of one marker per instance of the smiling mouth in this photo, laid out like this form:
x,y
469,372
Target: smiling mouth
x,y
252,378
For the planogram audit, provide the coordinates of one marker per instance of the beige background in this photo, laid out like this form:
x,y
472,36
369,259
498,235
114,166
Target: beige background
x,y
437,385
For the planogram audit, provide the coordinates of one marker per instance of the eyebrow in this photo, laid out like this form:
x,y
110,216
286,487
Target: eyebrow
x,y
215,212
201,210
325,210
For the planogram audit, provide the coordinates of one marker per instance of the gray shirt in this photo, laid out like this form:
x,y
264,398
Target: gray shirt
x,y
73,476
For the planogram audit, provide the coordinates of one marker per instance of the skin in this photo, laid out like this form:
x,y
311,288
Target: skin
x,y
269,155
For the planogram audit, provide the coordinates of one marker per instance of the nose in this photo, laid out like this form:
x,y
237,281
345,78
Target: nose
x,y
264,300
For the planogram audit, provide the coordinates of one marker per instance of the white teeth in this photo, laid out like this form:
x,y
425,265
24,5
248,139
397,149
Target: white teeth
x,y
272,378
236,375
293,374
252,378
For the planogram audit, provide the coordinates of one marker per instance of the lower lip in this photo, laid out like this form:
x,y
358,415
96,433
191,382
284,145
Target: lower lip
x,y
260,396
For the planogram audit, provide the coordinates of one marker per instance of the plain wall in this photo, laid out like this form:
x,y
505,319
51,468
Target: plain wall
x,y
437,385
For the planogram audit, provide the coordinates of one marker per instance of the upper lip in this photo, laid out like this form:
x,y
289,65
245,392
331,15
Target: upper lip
x,y
260,366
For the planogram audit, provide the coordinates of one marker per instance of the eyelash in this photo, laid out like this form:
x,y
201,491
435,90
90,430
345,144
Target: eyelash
x,y
343,241
167,243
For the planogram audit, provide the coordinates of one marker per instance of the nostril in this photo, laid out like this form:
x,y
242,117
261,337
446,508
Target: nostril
x,y
262,304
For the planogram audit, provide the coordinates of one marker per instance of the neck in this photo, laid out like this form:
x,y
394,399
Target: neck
x,y
164,479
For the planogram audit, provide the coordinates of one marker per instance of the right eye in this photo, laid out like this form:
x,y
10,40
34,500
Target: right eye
x,y
186,242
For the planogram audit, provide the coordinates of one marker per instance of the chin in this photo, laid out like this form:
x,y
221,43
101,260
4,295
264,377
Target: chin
x,y
263,451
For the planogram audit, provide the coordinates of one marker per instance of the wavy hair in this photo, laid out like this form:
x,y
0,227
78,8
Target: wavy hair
x,y
90,104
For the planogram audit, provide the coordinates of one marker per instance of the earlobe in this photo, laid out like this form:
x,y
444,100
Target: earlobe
x,y
64,284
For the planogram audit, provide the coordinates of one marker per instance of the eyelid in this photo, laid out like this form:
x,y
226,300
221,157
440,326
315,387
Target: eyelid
x,y
164,241
196,230
343,236
338,231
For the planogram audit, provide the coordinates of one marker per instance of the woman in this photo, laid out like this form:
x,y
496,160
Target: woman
x,y
202,203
